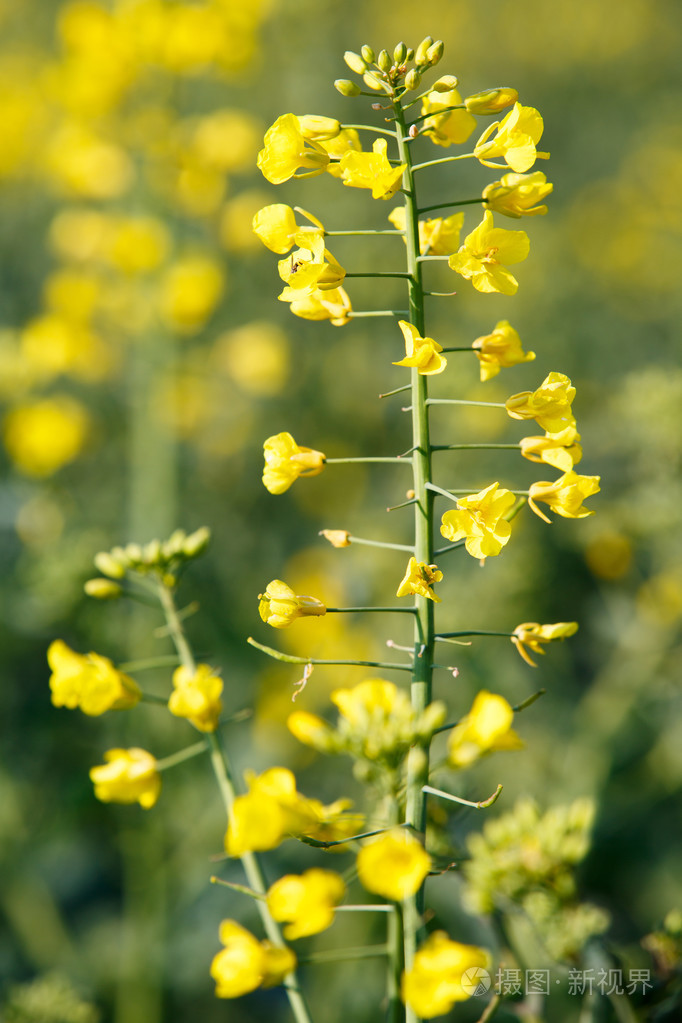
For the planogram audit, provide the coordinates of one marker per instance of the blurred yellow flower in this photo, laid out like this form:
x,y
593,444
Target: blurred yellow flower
x,y
197,696
517,136
561,450
393,865
255,356
445,126
422,353
312,268
137,245
280,606
82,163
434,983
245,963
485,729
480,518
500,349
306,901
532,635
189,292
129,776
311,730
419,578
336,537
517,195
236,220
276,227
439,236
57,343
226,140
88,681
43,435
482,257
79,233
549,405
372,170
285,461
331,305
287,150
564,496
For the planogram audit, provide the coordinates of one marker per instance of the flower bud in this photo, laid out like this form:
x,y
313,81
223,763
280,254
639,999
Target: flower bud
x,y
133,553
174,543
410,54
317,127
109,565
490,101
400,53
446,83
336,537
412,79
151,552
372,82
103,589
197,542
346,87
169,580
367,53
384,61
435,52
420,55
355,62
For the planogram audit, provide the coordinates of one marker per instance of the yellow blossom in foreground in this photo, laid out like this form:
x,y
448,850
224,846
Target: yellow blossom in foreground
x,y
197,696
276,227
549,405
482,257
561,450
438,236
319,305
346,141
422,353
485,729
500,349
306,902
532,635
285,461
445,126
44,435
517,195
517,136
273,810
393,865
287,150
88,681
564,496
280,606
246,963
311,268
372,170
336,537
129,776
434,983
480,518
190,291
419,578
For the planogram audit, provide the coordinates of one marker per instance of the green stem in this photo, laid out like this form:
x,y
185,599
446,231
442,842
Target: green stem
x,y
345,954
464,401
379,273
149,662
475,447
472,632
448,205
343,234
443,159
372,458
184,754
277,655
370,127
443,110
398,610
381,543
356,314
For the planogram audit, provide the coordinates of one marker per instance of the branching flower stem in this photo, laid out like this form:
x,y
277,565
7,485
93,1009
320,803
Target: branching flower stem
x,y
223,775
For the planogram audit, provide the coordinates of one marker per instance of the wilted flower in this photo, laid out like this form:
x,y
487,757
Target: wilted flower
x,y
500,349
549,405
564,496
129,776
285,461
533,635
319,305
482,257
280,606
480,518
422,353
419,579
561,450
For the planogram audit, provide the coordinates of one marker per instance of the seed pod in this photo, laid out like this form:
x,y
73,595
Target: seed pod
x,y
346,87
355,62
400,53
367,53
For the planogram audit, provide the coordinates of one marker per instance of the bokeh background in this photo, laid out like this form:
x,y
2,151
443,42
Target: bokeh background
x,y
144,358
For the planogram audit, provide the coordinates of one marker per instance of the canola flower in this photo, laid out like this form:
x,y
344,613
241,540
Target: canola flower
x,y
419,578
500,349
288,149
564,496
485,729
88,681
434,983
531,636
549,405
518,195
196,696
446,126
306,902
393,865
561,450
280,606
438,236
480,521
286,461
129,776
245,963
421,353
372,170
483,257
515,140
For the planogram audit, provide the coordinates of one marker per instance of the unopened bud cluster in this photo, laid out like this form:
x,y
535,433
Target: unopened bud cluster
x,y
387,72
163,558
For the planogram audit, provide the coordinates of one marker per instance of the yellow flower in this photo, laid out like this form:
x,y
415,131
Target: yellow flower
x,y
280,606
372,170
311,730
393,865
336,537
197,697
434,983
246,963
532,635
88,681
129,776
422,353
346,141
44,435
516,195
446,126
561,450
311,268
273,810
517,136
276,227
485,251
319,305
485,729
137,245
439,236
491,101
190,291
285,461
549,405
318,128
306,901
502,348
419,579
287,149
565,495
480,518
